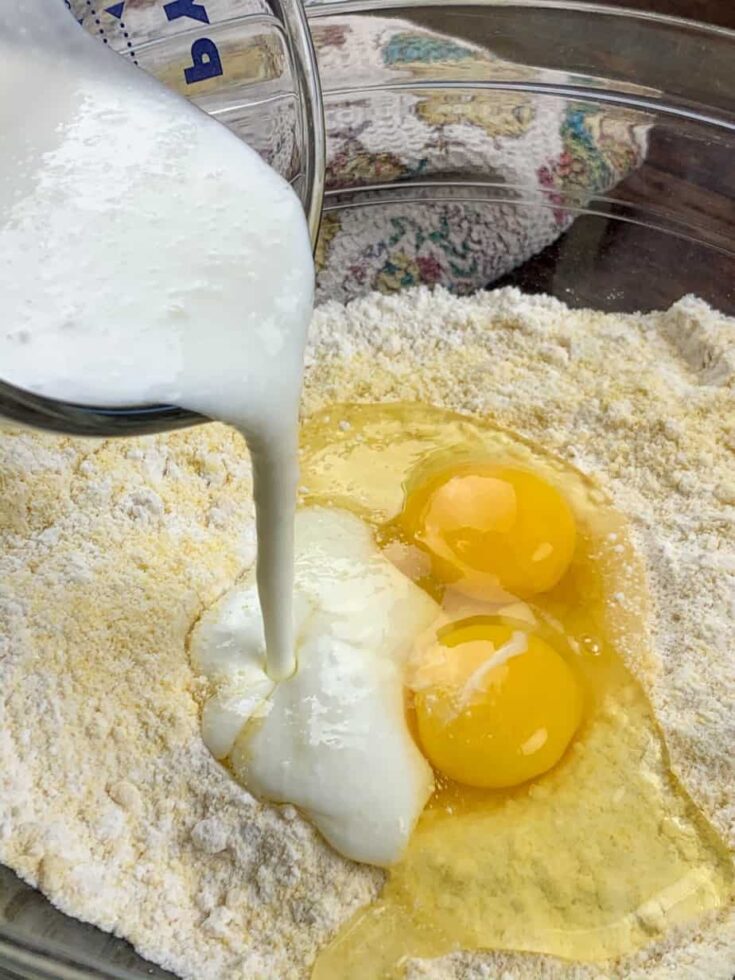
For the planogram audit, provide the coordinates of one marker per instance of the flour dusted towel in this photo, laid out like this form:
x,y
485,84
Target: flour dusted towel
x,y
386,125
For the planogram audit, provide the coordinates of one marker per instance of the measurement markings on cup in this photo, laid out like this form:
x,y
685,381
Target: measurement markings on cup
x,y
205,57
206,61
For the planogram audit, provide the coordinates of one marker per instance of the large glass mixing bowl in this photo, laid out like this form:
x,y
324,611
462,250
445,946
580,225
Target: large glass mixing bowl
x,y
562,147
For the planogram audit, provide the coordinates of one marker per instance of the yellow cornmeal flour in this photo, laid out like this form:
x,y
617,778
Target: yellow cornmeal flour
x,y
109,801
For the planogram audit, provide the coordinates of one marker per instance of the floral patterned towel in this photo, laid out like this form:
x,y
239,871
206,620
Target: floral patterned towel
x,y
407,108
544,157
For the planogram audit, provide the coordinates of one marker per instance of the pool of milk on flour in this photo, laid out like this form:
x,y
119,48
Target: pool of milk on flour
x,y
148,255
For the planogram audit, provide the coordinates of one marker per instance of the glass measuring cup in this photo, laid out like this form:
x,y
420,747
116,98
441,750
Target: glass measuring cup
x,y
251,65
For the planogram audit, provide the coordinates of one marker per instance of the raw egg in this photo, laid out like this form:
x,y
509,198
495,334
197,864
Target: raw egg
x,y
555,826
490,527
495,705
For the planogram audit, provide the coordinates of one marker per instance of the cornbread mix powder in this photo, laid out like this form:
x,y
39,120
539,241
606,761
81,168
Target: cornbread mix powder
x,y
109,801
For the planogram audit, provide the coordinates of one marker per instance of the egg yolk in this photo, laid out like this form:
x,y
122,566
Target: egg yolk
x,y
495,706
490,528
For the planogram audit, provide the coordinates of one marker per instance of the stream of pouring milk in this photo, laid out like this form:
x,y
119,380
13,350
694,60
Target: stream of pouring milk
x,y
148,255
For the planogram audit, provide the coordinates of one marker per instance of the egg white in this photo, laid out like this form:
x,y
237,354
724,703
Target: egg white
x,y
333,738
